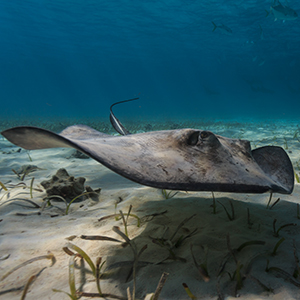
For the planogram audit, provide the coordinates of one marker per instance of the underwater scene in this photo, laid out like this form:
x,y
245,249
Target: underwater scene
x,y
150,149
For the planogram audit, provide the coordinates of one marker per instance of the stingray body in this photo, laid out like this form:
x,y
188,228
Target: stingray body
x,y
183,159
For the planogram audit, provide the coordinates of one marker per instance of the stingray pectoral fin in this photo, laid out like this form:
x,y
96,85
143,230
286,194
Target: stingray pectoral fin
x,y
32,138
277,165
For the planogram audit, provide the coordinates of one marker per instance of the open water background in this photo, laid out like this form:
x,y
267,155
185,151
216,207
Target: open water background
x,y
73,59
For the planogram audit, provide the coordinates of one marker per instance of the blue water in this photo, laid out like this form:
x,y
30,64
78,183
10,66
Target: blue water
x,y
63,58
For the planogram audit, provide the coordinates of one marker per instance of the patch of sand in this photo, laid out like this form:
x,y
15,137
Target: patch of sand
x,y
25,237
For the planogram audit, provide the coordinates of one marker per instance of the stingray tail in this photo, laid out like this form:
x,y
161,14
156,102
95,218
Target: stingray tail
x,y
115,122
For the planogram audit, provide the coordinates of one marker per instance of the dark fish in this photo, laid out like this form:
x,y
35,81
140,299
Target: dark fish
x,y
222,28
281,12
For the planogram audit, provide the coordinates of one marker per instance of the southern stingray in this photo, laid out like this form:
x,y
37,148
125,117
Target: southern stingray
x,y
182,159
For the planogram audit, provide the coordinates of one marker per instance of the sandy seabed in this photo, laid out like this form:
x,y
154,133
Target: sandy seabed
x,y
247,254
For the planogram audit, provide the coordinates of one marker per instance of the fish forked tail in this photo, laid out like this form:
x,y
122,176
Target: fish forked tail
x,y
215,26
267,13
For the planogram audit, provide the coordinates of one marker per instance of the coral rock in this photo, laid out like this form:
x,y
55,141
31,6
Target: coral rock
x,y
64,185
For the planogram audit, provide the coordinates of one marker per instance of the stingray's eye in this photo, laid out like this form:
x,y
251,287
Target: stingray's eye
x,y
193,138
204,134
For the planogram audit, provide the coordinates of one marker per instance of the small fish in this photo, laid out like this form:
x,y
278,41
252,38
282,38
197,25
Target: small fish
x,y
281,12
223,28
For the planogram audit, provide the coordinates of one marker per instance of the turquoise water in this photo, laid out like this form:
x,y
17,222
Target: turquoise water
x,y
73,59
